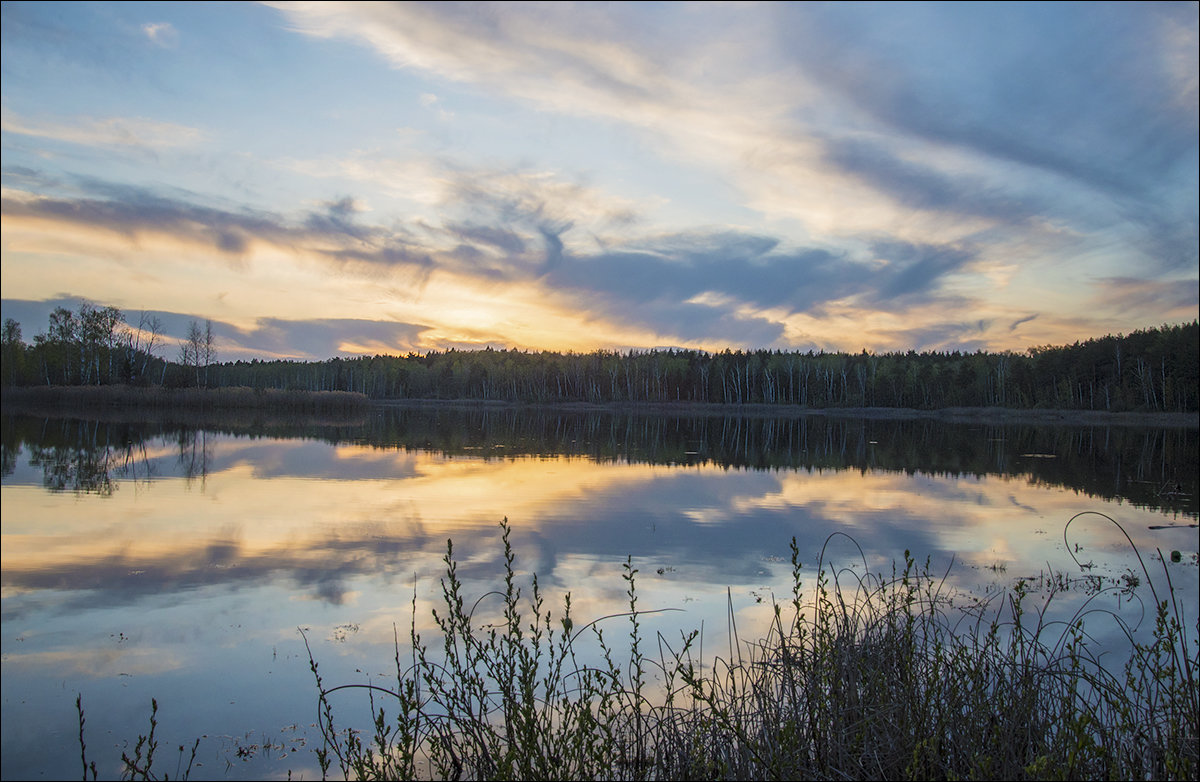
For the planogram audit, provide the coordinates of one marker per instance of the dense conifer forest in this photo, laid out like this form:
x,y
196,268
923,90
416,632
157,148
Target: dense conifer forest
x,y
1155,369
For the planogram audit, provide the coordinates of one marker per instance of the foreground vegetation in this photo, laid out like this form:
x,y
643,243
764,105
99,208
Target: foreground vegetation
x,y
1155,370
874,677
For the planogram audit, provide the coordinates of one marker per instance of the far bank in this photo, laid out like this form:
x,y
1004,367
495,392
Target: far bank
x,y
85,400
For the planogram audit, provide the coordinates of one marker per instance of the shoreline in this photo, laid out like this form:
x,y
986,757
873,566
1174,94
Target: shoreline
x,y
130,403
81,400
989,415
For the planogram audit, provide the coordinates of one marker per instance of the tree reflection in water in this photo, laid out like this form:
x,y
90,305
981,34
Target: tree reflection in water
x,y
1149,467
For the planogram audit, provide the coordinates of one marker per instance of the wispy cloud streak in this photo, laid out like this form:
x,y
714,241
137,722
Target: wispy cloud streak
x,y
107,131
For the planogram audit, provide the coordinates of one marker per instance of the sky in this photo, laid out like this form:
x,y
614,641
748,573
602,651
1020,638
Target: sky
x,y
321,179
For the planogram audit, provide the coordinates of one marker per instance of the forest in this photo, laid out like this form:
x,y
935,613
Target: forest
x,y
1156,369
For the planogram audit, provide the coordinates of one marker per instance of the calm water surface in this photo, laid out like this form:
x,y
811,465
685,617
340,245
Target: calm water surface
x,y
181,562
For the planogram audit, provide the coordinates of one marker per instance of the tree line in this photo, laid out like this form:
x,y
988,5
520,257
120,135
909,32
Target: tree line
x,y
1156,369
97,346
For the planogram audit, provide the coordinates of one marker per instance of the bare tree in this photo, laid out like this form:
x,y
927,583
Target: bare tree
x,y
191,349
146,338
210,350
198,350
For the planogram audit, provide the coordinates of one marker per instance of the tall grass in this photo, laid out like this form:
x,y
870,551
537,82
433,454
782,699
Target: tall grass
x,y
864,677
887,681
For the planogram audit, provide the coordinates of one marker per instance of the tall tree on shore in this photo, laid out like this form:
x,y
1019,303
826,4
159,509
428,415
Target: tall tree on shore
x,y
210,349
190,349
99,337
198,351
13,352
142,342
57,346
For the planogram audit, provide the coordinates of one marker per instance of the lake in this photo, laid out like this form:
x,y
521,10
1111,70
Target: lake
x,y
180,562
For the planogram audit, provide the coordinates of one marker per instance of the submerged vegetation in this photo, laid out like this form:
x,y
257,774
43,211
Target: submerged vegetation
x,y
1153,370
863,677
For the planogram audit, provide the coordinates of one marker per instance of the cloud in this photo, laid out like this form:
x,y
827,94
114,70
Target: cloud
x,y
501,239
693,101
1061,89
682,266
485,214
866,133
913,271
1019,321
338,220
842,135
132,211
433,103
518,47
703,287
323,338
531,258
730,288
162,34
141,211
1056,118
519,224
1167,235
134,132
1156,301
268,337
964,336
923,186
531,198
1180,33
738,287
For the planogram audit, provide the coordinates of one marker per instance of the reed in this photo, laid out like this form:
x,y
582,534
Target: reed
x,y
84,399
866,677
887,681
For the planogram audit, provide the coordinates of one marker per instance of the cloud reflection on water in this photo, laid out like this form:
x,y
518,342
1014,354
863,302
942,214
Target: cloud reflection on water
x,y
301,511
213,548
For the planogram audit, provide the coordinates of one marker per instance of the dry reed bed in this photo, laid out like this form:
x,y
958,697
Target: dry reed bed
x,y
84,399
